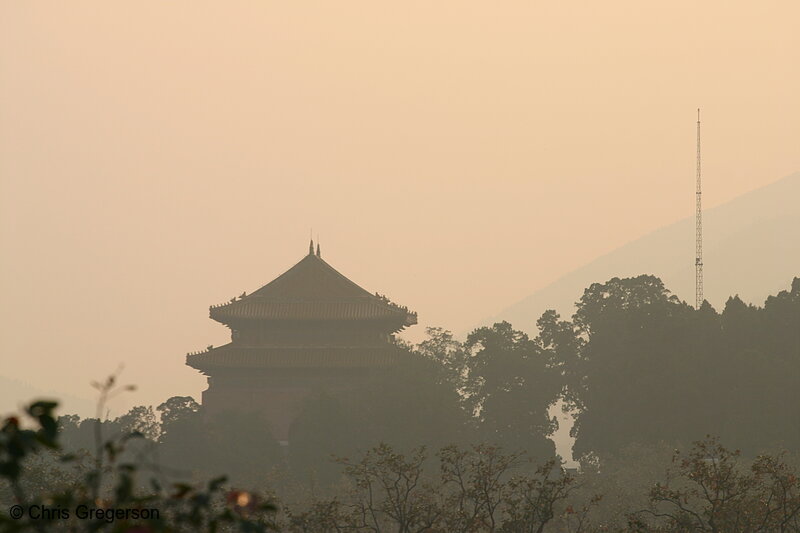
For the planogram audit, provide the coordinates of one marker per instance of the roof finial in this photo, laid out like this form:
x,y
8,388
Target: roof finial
x,y
311,247
318,254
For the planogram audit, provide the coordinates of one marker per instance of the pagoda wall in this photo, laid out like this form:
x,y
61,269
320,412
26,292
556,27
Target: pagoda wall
x,y
278,396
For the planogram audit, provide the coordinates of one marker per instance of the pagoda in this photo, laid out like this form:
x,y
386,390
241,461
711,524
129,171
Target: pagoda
x,y
309,329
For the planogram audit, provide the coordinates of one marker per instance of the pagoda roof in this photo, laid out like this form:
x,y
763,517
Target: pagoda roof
x,y
312,290
231,356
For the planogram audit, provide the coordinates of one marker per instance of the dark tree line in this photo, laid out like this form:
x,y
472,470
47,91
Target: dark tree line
x,y
642,372
644,367
634,364
482,489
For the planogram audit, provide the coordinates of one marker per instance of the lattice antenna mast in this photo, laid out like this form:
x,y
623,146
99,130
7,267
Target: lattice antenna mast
x,y
698,261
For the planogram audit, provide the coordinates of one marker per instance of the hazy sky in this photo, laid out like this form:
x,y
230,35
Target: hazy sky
x,y
159,157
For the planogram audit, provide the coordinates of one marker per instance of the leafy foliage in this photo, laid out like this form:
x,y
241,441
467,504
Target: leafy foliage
x,y
477,490
641,366
709,490
644,373
109,486
510,387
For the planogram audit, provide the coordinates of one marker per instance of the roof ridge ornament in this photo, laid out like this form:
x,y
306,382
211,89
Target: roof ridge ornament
x,y
318,253
311,247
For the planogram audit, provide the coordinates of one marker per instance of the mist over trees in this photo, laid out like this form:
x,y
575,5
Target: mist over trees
x,y
634,364
647,377
645,367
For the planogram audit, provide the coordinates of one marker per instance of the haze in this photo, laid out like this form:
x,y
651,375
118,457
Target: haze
x,y
156,158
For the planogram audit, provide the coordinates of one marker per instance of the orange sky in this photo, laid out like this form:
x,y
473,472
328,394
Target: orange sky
x,y
159,157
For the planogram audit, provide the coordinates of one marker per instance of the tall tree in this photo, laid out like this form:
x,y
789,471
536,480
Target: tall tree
x,y
645,367
181,435
510,387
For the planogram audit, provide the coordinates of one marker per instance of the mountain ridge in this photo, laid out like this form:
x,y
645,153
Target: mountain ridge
x,y
757,231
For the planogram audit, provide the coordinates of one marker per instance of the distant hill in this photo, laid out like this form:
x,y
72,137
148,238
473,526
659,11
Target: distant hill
x,y
751,248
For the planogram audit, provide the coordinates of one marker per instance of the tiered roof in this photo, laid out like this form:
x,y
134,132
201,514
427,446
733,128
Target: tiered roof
x,y
312,290
310,293
231,356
